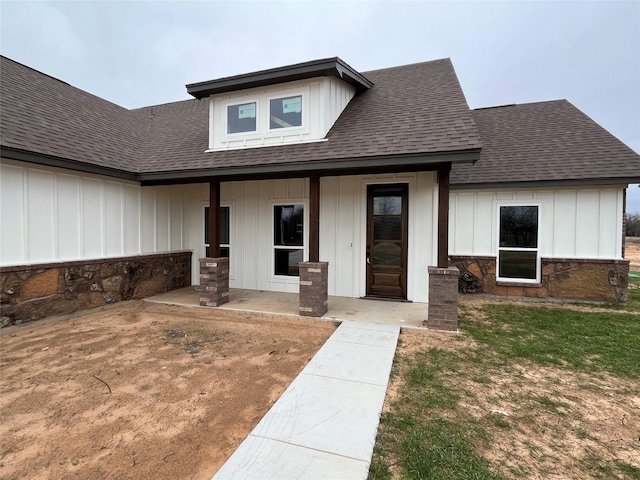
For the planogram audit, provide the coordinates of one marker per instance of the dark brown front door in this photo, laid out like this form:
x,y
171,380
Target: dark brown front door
x,y
387,241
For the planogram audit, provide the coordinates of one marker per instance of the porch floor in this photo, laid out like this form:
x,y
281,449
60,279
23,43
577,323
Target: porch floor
x,y
403,314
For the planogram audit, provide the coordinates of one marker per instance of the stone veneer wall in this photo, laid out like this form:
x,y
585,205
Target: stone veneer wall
x,y
30,292
561,278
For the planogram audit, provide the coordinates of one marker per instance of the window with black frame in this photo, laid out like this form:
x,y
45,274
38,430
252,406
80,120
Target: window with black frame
x,y
518,249
288,239
224,231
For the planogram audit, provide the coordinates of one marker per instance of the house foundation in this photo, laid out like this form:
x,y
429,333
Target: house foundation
x,y
594,280
314,288
31,292
214,281
443,298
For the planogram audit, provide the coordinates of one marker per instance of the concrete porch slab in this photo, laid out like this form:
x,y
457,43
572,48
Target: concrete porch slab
x,y
404,314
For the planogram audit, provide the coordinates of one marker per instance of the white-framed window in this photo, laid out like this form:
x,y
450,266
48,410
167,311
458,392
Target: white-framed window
x,y
225,231
285,111
288,238
242,117
518,243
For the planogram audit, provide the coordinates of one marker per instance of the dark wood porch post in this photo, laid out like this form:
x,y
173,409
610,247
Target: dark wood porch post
x,y
443,217
314,219
214,219
314,278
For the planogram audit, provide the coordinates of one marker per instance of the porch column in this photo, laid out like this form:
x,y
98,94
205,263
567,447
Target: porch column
x,y
314,219
313,296
214,270
443,217
214,219
443,280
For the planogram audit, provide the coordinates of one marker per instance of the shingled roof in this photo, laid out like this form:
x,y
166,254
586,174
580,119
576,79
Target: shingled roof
x,y
42,115
411,110
412,115
545,143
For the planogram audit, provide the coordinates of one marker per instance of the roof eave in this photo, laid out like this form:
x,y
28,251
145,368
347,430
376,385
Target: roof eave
x,y
578,182
59,162
318,68
333,167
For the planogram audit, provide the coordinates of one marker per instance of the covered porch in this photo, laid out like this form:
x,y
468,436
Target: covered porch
x,y
403,314
313,299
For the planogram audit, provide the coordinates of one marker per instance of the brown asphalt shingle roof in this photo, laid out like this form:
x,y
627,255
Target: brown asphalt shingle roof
x,y
412,109
545,141
44,115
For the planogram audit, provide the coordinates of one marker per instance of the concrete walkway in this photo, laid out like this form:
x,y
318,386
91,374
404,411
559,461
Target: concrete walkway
x,y
324,425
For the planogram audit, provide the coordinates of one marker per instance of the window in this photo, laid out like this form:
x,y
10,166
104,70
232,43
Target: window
x,y
224,231
518,254
241,118
285,112
288,239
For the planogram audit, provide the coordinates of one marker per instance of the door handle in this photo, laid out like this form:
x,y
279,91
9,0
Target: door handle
x,y
368,261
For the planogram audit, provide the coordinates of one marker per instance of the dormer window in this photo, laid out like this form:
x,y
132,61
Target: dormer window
x,y
241,118
285,112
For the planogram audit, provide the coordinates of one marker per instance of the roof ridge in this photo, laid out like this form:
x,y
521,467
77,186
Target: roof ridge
x,y
409,65
559,100
137,109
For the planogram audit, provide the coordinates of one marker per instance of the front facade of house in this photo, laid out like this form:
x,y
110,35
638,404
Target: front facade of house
x,y
309,162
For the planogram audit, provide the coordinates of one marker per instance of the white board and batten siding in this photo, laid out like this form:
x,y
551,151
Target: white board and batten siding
x,y
573,222
51,215
342,230
323,100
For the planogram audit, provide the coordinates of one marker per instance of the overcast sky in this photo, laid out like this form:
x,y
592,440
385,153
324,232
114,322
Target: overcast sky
x,y
143,53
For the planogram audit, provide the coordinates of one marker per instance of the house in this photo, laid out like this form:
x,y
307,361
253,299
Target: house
x,y
316,179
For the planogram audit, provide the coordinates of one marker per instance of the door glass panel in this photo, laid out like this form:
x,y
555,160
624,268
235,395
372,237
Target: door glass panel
x,y
387,228
387,205
387,253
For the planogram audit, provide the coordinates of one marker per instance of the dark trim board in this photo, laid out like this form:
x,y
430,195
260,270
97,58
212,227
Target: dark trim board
x,y
324,168
390,164
332,67
58,162
338,167
586,182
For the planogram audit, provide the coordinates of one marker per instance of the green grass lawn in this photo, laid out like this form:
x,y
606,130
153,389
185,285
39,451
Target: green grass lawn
x,y
524,391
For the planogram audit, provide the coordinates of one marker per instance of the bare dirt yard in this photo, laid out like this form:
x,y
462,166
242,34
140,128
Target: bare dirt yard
x,y
632,253
142,390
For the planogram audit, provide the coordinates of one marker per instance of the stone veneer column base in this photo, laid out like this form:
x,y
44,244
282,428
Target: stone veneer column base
x,y
443,298
214,281
313,288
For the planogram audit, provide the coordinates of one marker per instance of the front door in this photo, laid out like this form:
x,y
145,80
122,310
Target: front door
x,y
387,241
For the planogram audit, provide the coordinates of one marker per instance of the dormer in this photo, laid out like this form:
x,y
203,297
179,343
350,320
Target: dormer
x,y
294,104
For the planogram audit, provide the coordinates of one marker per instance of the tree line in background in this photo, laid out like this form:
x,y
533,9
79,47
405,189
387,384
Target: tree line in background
x,y
633,225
